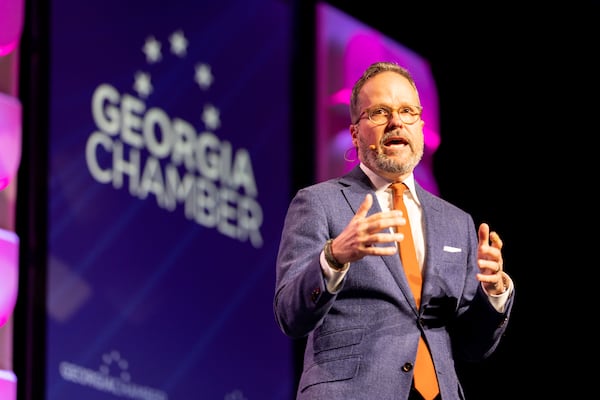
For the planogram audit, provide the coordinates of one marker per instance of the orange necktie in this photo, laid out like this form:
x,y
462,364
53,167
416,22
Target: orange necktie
x,y
425,379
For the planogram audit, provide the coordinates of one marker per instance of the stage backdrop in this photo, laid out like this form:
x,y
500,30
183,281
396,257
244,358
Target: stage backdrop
x,y
168,184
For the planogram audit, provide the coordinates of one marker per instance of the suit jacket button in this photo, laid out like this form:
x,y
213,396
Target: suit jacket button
x,y
315,294
407,367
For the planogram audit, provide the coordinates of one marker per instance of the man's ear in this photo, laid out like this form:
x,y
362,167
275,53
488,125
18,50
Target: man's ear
x,y
354,133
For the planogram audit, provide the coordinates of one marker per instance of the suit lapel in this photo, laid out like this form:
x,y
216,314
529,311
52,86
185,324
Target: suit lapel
x,y
355,186
432,221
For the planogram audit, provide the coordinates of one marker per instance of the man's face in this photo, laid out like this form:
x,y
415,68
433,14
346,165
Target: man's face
x,y
393,148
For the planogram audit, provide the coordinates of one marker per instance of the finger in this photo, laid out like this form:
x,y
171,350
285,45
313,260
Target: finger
x,y
381,250
488,278
493,267
496,241
381,222
387,238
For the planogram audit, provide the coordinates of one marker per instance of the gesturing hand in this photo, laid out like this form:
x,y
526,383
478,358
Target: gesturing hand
x,y
360,237
489,259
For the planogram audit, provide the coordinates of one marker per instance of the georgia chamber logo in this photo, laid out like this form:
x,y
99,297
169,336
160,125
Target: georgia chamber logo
x,y
149,152
112,376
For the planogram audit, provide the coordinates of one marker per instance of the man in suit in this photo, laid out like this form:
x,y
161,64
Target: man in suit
x,y
340,282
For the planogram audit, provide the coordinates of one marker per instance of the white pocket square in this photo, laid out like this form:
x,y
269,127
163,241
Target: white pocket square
x,y
451,249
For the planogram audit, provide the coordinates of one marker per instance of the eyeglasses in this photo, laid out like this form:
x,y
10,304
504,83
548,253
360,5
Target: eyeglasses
x,y
380,115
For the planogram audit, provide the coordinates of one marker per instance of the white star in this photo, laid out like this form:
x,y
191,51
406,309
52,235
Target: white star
x,y
203,76
143,84
179,43
210,117
152,50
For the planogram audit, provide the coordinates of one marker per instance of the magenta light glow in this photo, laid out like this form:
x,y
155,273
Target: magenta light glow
x,y
9,265
10,138
11,24
345,47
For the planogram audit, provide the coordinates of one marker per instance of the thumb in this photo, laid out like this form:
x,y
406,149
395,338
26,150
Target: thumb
x,y
484,233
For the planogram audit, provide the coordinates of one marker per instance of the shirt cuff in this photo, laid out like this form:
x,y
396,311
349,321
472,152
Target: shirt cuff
x,y
498,301
333,277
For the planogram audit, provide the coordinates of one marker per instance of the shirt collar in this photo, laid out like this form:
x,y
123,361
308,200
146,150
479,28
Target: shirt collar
x,y
381,184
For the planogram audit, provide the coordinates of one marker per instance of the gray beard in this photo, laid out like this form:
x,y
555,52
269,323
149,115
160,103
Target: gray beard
x,y
384,163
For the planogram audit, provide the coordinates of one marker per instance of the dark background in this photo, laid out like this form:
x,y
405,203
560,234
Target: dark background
x,y
517,88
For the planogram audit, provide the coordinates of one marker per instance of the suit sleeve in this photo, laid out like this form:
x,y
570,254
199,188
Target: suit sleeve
x,y
301,299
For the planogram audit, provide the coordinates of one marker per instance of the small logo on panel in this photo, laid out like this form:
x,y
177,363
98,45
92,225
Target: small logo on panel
x,y
111,377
